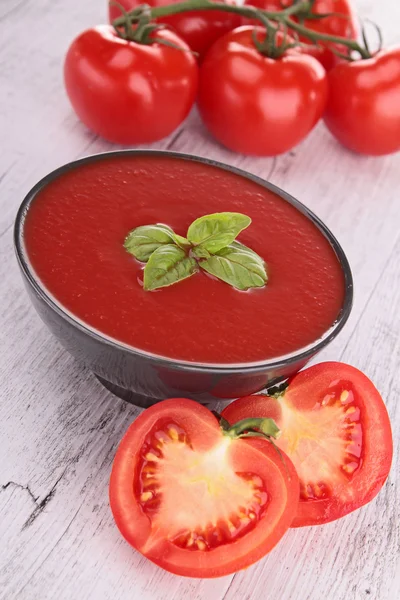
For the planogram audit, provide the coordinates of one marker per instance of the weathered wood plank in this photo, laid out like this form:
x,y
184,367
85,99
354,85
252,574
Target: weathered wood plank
x,y
59,428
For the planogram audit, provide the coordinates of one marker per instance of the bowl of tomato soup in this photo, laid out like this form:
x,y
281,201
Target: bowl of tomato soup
x,y
199,338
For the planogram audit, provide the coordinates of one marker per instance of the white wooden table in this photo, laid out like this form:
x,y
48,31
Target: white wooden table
x,y
59,428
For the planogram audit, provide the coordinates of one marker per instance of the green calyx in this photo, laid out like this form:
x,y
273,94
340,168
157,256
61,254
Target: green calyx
x,y
277,391
252,428
210,244
137,26
276,41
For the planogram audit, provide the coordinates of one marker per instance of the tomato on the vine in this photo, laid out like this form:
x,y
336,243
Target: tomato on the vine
x,y
255,104
363,110
127,92
199,29
196,499
342,23
336,430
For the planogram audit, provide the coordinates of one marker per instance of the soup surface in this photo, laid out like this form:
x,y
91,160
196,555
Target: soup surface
x,y
74,235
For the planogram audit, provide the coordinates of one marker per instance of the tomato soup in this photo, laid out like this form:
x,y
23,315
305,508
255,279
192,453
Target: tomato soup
x,y
74,235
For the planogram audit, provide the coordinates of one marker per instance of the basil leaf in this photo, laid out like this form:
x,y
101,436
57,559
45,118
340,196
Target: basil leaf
x,y
200,252
216,231
237,265
144,240
182,242
167,265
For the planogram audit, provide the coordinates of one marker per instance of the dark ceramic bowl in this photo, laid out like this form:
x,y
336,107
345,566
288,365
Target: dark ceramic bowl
x,y
143,378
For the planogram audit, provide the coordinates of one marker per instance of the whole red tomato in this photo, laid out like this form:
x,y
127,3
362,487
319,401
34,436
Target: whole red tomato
x,y
342,26
199,29
127,92
363,110
258,105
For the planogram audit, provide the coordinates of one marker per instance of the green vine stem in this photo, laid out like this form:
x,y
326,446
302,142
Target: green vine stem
x,y
282,17
253,427
260,427
325,37
191,5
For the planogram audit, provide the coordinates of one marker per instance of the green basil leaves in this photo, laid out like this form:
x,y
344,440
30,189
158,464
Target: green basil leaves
x,y
237,265
143,241
210,245
214,232
167,265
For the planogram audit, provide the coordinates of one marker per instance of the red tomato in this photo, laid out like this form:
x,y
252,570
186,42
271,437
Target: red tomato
x,y
126,92
336,25
363,110
336,430
258,105
199,29
194,500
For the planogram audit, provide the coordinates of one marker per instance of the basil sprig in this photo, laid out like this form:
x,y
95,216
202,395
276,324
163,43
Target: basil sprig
x,y
210,245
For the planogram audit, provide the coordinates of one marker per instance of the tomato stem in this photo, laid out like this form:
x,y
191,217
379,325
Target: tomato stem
x,y
325,37
301,9
252,427
270,45
255,426
136,26
278,390
191,5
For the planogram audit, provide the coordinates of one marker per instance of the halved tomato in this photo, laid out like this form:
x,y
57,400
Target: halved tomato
x,y
195,499
336,430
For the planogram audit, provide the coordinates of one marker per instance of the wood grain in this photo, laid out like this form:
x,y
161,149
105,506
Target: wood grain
x,y
59,428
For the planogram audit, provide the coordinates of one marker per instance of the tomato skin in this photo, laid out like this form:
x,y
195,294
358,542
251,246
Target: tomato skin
x,y
126,92
363,111
257,105
303,391
199,29
244,455
338,26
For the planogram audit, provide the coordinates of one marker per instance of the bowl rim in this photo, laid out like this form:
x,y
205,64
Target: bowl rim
x,y
300,355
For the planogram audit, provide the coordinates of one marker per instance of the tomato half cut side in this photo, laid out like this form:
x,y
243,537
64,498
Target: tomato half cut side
x,y
195,501
336,430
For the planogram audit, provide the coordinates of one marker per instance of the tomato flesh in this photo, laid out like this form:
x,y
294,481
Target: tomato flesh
x,y
197,502
325,439
173,477
336,430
